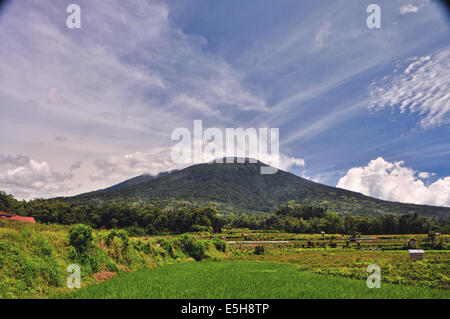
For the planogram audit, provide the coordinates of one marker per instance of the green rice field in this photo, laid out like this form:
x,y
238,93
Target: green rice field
x,y
205,280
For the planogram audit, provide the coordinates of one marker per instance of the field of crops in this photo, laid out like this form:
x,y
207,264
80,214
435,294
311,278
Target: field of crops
x,y
34,257
243,280
386,251
396,266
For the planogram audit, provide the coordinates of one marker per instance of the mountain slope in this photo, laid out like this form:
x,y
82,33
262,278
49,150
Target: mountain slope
x,y
241,188
141,179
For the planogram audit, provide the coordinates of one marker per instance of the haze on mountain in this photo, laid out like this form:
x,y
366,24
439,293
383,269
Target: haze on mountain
x,y
241,188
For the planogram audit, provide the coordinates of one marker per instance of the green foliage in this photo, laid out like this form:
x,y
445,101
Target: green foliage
x,y
86,259
193,246
138,220
28,264
121,234
198,228
167,245
83,250
81,238
220,244
34,257
294,218
259,250
9,204
42,247
136,231
118,243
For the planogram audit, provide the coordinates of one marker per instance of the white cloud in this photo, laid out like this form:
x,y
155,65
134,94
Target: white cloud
x,y
409,8
424,175
121,83
128,61
28,178
423,88
118,167
394,182
286,162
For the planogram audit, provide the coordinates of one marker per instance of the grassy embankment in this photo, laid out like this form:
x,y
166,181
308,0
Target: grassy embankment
x,y
34,257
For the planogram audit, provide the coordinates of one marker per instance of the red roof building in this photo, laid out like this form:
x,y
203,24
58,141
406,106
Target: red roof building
x,y
16,217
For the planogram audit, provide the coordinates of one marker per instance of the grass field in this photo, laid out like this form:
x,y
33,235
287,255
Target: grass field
x,y
34,257
396,266
247,280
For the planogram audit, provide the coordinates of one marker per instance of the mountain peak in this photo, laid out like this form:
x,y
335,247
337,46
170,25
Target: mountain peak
x,y
236,160
240,187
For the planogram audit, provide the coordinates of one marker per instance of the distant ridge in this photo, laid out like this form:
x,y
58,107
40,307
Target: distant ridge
x,y
239,187
144,178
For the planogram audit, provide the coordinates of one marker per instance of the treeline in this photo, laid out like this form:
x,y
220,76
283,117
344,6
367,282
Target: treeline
x,y
137,219
294,218
149,220
9,204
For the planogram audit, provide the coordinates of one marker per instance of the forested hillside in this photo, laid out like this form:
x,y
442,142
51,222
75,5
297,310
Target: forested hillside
x,y
241,188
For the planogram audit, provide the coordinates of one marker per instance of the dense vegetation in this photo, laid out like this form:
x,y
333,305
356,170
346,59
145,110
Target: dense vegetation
x,y
243,280
138,219
149,219
242,188
294,218
34,257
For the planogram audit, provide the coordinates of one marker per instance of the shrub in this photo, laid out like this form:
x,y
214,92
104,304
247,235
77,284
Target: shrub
x,y
81,238
148,249
121,234
193,246
119,249
136,231
220,244
167,246
138,245
259,250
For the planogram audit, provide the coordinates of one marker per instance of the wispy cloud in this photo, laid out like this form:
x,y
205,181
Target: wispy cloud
x,y
321,36
409,8
129,76
110,93
325,122
422,87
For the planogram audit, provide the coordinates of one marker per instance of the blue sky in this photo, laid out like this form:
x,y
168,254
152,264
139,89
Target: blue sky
x,y
366,109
